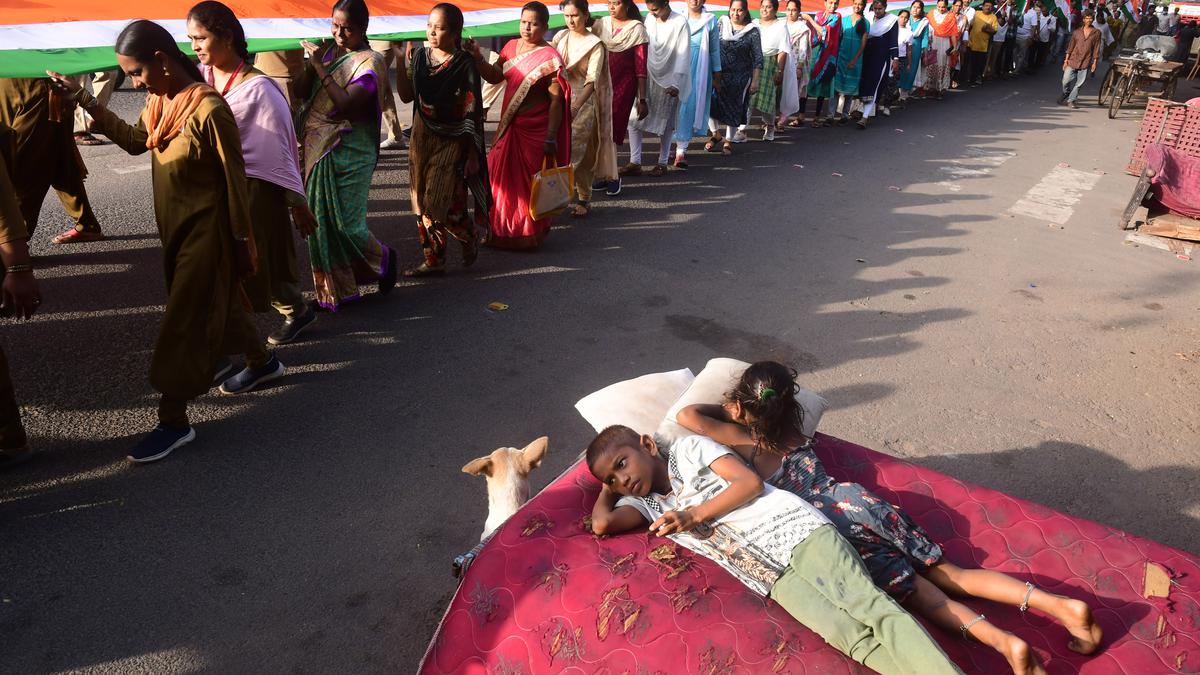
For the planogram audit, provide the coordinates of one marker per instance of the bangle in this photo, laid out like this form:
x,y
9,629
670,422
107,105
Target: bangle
x,y
13,269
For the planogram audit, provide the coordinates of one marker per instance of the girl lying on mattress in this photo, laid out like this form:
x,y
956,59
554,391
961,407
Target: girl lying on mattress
x,y
761,421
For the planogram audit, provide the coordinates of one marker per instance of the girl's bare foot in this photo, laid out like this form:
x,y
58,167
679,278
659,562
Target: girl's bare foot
x,y
1076,617
1020,657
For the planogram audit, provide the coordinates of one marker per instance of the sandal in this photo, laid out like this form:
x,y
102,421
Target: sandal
x,y
580,210
77,236
713,142
727,148
820,122
470,252
795,122
658,170
426,270
630,169
681,162
85,138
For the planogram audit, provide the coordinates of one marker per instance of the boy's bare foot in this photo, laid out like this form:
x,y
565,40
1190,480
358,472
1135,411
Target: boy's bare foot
x,y
1020,657
1076,617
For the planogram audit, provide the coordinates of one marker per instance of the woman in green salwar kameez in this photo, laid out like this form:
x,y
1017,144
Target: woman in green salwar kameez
x,y
338,125
200,205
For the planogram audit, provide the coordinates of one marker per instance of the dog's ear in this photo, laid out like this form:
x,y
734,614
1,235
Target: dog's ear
x,y
479,467
532,454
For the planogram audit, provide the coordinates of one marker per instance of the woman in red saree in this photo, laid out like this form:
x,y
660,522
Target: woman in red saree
x,y
534,129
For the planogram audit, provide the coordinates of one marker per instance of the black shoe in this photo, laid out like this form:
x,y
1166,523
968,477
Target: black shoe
x,y
224,368
11,458
291,328
614,188
250,378
159,443
406,132
388,281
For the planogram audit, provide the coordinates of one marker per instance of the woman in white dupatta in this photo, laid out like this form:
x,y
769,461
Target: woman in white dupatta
x,y
800,34
592,151
668,69
777,97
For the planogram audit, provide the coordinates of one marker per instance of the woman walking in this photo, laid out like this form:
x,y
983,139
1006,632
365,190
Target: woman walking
x,y
624,37
936,61
592,151
777,97
904,43
800,34
273,183
704,51
447,163
881,60
339,120
912,77
534,130
827,39
849,65
203,216
741,66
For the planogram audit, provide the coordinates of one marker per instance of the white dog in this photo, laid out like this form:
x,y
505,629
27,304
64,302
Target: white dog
x,y
507,471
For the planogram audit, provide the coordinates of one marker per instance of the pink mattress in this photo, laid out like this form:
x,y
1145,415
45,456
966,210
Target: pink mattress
x,y
546,596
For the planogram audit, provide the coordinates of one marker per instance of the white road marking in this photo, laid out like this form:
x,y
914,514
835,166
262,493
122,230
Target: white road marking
x,y
1005,98
978,163
78,507
533,270
1053,199
130,169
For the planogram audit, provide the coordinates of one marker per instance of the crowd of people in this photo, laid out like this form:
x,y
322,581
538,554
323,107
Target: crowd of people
x,y
257,158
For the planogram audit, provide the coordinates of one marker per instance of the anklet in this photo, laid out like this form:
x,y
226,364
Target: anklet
x,y
1025,603
967,626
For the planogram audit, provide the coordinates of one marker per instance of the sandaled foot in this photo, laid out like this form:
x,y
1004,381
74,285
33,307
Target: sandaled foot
x,y
77,236
630,169
1020,657
681,162
424,270
796,122
579,210
727,148
85,138
713,144
470,252
658,170
1076,617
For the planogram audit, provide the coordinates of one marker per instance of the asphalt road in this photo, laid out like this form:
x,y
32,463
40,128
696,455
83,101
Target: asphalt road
x,y
911,272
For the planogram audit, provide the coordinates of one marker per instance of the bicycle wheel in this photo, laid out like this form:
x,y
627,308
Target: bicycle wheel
x,y
1106,85
1119,95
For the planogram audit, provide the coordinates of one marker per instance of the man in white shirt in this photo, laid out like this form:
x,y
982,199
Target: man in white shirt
x,y
1028,27
1164,23
1047,27
1173,22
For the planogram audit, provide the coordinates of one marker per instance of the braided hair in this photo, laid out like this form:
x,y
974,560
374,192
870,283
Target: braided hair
x,y
767,392
142,39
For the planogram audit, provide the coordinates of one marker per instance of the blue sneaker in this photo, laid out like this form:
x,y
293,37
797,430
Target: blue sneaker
x,y
250,378
614,188
159,443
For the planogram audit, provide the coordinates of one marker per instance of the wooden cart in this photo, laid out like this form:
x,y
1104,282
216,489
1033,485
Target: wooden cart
x,y
1130,76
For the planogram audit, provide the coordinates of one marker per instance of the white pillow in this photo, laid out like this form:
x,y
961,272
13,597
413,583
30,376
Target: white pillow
x,y
718,378
640,403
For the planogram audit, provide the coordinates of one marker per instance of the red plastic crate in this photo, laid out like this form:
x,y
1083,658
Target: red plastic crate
x,y
1175,125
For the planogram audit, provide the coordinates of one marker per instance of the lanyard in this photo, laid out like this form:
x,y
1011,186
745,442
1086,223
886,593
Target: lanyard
x,y
232,77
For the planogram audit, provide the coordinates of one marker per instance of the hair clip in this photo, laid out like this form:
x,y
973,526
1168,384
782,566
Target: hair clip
x,y
765,393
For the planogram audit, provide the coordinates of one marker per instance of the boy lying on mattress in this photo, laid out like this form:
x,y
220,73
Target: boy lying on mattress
x,y
704,497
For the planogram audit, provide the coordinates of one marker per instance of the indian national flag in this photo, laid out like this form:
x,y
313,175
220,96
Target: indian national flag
x,y
1130,10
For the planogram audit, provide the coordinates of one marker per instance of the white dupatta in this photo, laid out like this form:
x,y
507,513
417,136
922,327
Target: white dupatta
x,y
775,39
669,57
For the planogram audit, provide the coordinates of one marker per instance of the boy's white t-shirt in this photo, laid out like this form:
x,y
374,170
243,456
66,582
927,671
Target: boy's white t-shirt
x,y
753,542
1049,23
1029,23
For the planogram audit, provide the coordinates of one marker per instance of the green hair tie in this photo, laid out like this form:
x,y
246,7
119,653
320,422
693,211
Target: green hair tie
x,y
766,393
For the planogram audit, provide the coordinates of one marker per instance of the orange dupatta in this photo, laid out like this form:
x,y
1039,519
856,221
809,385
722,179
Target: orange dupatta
x,y
946,27
165,118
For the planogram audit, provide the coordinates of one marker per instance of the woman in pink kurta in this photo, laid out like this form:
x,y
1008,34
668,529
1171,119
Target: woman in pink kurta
x,y
625,37
534,129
